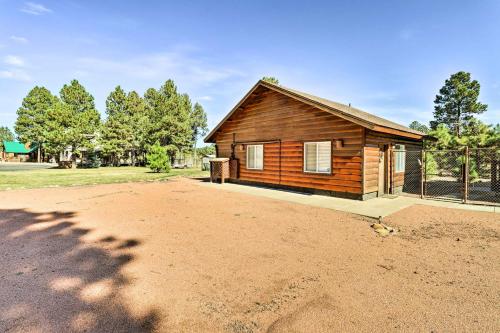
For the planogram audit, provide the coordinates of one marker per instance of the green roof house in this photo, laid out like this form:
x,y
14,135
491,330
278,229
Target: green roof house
x,y
16,151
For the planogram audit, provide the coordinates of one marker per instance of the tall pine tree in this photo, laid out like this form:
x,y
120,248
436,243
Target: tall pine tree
x,y
83,118
117,132
457,103
136,111
31,123
6,134
169,118
199,125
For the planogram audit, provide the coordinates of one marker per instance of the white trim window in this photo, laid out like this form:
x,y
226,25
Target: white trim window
x,y
318,157
255,157
400,157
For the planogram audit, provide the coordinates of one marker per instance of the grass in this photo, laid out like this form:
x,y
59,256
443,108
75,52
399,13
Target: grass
x,y
66,177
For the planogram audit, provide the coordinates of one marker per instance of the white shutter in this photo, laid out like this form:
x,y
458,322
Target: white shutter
x,y
324,156
259,157
400,158
310,157
250,157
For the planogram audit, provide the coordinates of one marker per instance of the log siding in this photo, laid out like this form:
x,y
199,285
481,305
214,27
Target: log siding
x,y
282,124
272,116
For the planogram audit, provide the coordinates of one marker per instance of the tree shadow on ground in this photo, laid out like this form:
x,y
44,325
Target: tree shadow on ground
x,y
53,281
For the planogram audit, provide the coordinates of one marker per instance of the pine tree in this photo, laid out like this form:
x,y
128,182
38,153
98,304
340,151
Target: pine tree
x,y
6,134
117,132
32,118
271,79
418,126
457,103
157,158
135,108
76,118
169,118
59,128
199,125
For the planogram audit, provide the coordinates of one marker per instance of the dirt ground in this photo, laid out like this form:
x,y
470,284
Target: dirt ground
x,y
180,257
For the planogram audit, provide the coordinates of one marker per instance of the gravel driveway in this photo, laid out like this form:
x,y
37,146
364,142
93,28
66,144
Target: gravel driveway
x,y
180,257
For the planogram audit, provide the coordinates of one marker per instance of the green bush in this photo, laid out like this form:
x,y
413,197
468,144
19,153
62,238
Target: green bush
x,y
473,171
93,160
157,158
431,166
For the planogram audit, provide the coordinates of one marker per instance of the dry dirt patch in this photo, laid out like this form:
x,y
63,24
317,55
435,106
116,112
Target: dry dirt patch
x,y
179,257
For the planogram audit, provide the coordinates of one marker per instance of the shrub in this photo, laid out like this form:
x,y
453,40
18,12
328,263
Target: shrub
x,y
93,161
157,159
473,171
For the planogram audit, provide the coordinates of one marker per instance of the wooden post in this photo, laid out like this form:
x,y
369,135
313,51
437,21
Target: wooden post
x,y
422,174
466,174
390,170
495,181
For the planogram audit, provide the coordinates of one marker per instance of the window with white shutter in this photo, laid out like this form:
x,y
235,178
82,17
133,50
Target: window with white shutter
x,y
255,157
400,156
318,157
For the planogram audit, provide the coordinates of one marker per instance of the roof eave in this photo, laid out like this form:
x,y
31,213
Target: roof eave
x,y
210,138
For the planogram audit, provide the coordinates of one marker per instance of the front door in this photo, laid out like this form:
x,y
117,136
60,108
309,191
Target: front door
x,y
381,172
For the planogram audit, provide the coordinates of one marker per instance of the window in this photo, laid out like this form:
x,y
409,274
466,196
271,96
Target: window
x,y
400,156
318,157
255,157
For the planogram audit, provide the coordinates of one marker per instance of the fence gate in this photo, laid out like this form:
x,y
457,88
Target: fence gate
x,y
467,175
484,175
444,174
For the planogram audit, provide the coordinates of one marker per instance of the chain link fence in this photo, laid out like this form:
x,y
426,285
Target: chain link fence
x,y
468,175
444,174
484,175
409,181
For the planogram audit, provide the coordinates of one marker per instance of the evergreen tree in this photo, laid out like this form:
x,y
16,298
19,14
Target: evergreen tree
x,y
169,118
59,127
444,139
136,111
6,134
494,139
157,158
82,122
417,126
477,134
31,123
457,103
271,79
199,125
206,150
117,132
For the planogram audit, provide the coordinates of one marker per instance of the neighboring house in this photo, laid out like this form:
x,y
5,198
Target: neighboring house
x,y
289,139
13,151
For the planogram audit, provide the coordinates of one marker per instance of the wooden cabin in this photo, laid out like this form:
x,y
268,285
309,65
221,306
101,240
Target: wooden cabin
x,y
279,137
13,151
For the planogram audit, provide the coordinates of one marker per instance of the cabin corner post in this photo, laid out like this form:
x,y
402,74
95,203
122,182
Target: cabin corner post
x,y
390,166
363,161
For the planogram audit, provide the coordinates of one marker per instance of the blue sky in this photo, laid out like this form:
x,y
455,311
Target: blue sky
x,y
386,57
